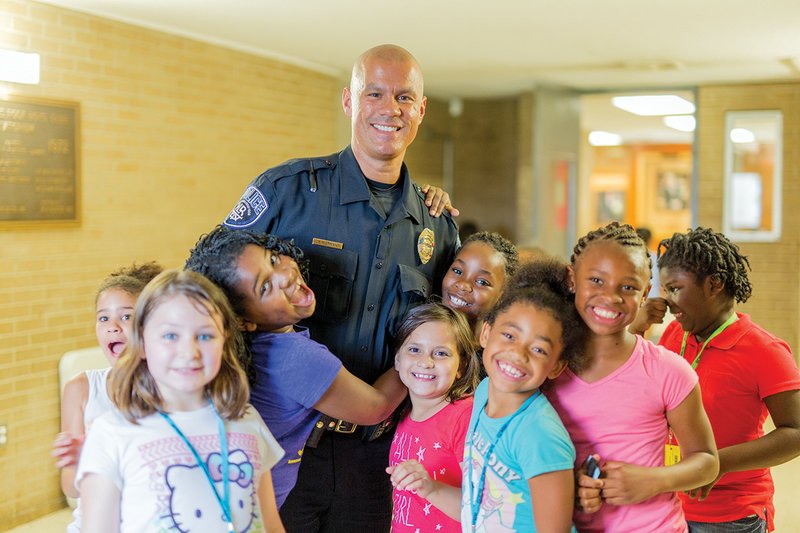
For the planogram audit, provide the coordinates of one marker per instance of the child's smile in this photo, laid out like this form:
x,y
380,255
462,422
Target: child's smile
x,y
428,362
522,348
610,284
275,295
475,280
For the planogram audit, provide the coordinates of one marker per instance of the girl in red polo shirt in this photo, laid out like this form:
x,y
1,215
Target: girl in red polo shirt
x,y
745,373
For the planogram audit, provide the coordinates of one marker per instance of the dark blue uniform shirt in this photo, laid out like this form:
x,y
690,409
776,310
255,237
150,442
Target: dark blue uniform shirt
x,y
367,269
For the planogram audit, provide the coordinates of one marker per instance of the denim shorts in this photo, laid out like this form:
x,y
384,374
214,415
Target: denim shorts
x,y
748,524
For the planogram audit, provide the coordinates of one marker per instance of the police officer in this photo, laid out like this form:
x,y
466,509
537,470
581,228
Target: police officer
x,y
376,250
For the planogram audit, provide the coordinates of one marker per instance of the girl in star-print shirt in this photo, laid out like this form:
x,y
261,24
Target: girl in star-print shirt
x,y
436,361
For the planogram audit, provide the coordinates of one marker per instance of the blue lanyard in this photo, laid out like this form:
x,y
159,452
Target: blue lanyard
x,y
476,504
223,440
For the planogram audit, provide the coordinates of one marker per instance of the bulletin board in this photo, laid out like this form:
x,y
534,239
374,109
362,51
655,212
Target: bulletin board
x,y
39,161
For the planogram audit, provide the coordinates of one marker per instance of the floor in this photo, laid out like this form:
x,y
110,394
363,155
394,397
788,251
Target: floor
x,y
787,490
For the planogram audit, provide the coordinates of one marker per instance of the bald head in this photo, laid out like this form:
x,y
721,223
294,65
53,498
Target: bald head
x,y
388,53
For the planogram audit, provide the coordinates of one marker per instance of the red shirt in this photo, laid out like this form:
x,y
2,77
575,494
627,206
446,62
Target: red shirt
x,y
738,369
438,444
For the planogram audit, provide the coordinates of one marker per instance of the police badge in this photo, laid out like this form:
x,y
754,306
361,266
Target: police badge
x,y
425,245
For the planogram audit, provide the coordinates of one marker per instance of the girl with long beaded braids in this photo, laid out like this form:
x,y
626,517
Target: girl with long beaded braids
x,y
619,407
745,373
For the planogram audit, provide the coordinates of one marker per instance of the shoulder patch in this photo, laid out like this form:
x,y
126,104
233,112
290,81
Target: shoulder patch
x,y
248,209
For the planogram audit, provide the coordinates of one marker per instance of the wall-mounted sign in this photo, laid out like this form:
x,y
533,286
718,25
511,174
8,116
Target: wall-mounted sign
x,y
39,161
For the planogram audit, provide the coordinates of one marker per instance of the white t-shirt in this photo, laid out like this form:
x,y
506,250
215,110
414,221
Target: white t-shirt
x,y
162,488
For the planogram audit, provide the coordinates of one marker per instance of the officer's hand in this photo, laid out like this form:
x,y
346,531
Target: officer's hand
x,y
438,200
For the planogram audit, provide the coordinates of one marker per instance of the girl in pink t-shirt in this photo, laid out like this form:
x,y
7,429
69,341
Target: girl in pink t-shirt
x,y
436,361
621,404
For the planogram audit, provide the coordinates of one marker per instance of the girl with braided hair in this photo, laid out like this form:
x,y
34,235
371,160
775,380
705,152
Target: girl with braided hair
x,y
620,405
745,372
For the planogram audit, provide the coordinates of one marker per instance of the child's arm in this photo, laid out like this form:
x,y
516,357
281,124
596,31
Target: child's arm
x,y
552,497
776,447
67,444
652,312
628,484
266,501
100,502
410,475
351,399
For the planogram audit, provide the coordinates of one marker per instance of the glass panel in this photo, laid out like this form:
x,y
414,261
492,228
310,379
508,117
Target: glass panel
x,y
753,150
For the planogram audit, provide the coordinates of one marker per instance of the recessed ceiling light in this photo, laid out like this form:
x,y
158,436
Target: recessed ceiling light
x,y
604,138
19,67
681,122
654,104
742,135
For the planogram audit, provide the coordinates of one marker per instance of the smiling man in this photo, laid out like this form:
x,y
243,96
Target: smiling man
x,y
377,248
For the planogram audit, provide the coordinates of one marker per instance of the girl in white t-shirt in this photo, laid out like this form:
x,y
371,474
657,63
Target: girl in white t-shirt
x,y
184,452
86,396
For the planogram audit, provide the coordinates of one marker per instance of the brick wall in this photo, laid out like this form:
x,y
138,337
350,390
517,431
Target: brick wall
x,y
775,303
171,132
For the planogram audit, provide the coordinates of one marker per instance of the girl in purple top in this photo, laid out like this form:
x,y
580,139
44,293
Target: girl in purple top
x,y
293,378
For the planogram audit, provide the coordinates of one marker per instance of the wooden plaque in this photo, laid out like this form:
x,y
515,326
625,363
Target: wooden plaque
x,y
39,162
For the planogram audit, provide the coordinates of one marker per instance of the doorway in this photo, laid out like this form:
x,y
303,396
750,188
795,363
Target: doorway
x,y
637,168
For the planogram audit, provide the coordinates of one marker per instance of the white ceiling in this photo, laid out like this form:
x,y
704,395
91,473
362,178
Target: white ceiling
x,y
471,48
474,48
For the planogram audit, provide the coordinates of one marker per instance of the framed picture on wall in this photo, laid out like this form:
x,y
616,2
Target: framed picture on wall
x,y
673,190
610,206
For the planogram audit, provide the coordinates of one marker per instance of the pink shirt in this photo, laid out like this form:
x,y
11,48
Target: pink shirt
x,y
438,444
622,417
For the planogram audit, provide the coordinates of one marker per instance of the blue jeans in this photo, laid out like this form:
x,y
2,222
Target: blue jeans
x,y
749,524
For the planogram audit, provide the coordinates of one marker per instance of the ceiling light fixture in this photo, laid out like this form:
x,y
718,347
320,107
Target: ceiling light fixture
x,y
742,135
685,123
654,104
604,138
19,67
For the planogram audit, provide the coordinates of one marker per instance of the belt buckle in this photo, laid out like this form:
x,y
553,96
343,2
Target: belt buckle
x,y
343,426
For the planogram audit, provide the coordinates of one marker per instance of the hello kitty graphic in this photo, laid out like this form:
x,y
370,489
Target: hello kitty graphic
x,y
193,508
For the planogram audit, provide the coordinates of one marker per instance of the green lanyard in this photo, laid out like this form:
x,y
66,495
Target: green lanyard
x,y
717,331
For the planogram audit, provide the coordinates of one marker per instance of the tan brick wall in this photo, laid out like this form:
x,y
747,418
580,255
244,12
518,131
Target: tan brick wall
x,y
775,303
172,130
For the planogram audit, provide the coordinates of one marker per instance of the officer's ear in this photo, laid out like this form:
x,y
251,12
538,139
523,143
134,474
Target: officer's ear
x,y
246,325
347,101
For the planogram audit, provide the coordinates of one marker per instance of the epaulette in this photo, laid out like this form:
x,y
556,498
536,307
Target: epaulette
x,y
300,166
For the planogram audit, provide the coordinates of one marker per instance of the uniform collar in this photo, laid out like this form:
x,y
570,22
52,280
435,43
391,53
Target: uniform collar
x,y
729,338
354,188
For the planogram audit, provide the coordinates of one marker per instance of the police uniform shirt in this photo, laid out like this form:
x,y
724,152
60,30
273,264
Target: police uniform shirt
x,y
367,269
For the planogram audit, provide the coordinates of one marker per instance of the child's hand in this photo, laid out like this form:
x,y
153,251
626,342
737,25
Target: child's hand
x,y
410,475
438,200
701,493
67,449
588,489
626,484
652,312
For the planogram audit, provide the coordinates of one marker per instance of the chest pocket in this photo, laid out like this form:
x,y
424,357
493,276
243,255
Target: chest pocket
x,y
414,288
331,278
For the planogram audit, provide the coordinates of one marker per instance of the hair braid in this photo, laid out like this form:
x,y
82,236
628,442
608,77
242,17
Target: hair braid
x,y
622,234
502,245
704,252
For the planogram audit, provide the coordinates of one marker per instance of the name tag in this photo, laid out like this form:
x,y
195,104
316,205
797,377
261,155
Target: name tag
x,y
327,243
